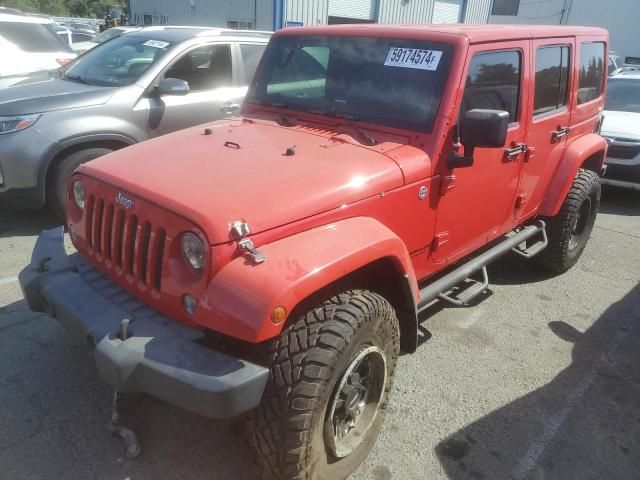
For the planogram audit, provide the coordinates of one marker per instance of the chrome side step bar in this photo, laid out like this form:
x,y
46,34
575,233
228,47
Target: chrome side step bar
x,y
464,297
451,279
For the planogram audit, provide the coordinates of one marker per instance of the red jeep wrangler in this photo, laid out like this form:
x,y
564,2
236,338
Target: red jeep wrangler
x,y
274,264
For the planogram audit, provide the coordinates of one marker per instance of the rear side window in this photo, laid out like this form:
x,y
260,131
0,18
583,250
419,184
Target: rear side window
x,y
32,37
493,82
251,54
591,71
552,77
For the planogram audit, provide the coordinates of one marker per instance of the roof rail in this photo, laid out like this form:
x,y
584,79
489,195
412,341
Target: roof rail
x,y
233,33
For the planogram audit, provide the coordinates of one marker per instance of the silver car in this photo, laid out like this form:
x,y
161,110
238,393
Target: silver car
x,y
126,90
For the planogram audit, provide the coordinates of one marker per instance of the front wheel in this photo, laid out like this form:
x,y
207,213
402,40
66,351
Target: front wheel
x,y
57,187
323,406
571,228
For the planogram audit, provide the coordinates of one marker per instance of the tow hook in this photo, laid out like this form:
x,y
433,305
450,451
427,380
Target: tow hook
x,y
132,446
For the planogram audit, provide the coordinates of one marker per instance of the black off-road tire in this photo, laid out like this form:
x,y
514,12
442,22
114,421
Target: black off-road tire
x,y
571,228
308,359
57,186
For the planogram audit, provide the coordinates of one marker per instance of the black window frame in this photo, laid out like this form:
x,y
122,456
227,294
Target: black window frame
x,y
248,78
518,109
602,75
559,106
505,7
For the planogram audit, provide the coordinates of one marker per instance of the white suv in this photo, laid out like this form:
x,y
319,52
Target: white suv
x,y
29,44
621,128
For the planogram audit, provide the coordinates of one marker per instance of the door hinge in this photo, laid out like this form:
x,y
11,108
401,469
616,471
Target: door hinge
x,y
439,240
529,154
448,183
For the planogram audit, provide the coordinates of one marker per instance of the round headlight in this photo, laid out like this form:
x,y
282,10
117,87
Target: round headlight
x,y
78,193
194,251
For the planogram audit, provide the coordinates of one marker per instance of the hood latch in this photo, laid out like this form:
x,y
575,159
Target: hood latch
x,y
239,230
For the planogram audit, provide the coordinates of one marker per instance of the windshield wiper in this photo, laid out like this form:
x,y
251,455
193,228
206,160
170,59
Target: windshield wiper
x,y
349,119
270,104
76,78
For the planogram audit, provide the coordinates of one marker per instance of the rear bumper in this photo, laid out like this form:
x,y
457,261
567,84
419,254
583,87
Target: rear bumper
x,y
160,356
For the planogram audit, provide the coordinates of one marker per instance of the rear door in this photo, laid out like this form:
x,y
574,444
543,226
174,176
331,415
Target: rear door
x,y
477,202
212,74
552,64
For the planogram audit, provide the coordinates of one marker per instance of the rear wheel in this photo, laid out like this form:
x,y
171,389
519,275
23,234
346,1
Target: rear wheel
x,y
323,406
57,187
570,230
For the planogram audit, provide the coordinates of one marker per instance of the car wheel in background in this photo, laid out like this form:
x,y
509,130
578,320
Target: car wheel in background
x,y
57,187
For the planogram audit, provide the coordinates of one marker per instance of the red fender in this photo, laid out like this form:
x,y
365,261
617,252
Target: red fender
x,y
574,157
241,296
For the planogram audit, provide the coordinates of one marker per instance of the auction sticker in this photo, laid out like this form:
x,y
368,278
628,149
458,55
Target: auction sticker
x,y
413,58
156,44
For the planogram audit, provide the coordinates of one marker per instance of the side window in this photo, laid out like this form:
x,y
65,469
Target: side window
x,y
251,54
591,71
493,82
203,68
552,79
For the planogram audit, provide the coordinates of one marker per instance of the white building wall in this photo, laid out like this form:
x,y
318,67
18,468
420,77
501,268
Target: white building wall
x,y
535,12
209,13
477,11
620,17
309,12
402,11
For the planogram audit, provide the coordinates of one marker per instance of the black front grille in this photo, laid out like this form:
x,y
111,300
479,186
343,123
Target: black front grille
x,y
625,152
124,243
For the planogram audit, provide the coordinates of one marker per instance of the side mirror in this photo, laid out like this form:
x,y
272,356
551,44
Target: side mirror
x,y
480,128
172,86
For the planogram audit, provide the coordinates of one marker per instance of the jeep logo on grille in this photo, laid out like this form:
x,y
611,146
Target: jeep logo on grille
x,y
124,201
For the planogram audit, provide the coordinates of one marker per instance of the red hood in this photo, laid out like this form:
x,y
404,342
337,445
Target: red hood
x,y
199,177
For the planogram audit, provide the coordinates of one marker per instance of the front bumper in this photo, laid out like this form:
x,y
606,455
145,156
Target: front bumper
x,y
623,164
160,356
21,157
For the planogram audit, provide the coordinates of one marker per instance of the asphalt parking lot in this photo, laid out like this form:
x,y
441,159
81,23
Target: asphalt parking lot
x,y
538,381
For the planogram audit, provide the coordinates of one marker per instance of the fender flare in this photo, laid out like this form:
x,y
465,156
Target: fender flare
x,y
241,296
573,159
78,140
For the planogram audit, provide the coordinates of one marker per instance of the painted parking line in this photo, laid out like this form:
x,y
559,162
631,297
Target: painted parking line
x,y
5,280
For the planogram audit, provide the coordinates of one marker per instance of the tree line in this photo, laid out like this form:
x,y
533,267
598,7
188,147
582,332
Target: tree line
x,y
63,8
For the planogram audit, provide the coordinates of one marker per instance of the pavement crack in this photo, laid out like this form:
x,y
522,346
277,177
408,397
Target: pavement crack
x,y
17,324
617,231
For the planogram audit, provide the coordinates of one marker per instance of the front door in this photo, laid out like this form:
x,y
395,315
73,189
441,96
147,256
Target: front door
x,y
477,202
215,91
550,117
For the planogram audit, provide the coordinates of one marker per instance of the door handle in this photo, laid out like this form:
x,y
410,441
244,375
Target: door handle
x,y
510,153
230,108
559,133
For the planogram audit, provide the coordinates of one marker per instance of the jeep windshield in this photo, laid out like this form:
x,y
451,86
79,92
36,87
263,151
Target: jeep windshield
x,y
391,82
118,62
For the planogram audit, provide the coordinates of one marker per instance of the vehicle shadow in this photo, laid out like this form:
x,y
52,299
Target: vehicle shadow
x,y
618,201
25,222
583,424
57,413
